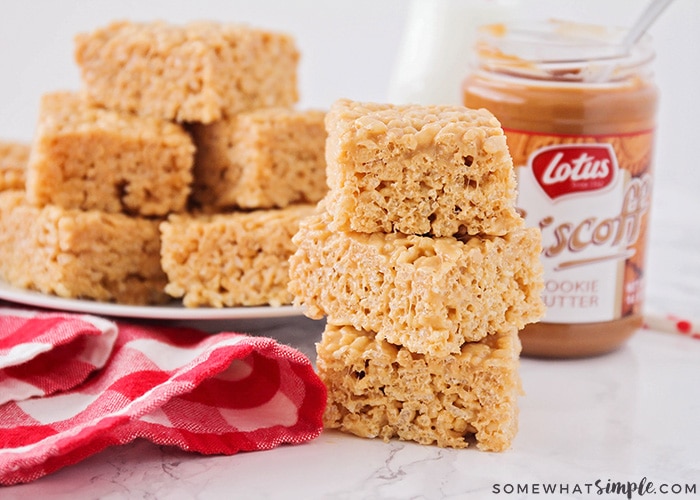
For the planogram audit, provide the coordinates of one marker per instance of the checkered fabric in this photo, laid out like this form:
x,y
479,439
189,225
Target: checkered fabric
x,y
72,385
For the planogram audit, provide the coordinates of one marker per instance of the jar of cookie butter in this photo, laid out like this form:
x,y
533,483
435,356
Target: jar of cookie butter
x,y
579,117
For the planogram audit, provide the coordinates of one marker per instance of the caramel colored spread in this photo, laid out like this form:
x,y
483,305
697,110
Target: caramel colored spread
x,y
571,139
580,110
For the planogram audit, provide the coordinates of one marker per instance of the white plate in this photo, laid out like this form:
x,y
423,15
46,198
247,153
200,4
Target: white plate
x,y
176,311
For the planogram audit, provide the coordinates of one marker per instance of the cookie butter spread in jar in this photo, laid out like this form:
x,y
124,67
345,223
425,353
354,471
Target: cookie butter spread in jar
x,y
579,118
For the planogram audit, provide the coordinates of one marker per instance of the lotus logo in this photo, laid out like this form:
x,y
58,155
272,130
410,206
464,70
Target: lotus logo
x,y
574,168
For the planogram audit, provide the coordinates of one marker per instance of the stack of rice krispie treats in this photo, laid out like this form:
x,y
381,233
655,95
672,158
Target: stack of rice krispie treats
x,y
425,273
179,170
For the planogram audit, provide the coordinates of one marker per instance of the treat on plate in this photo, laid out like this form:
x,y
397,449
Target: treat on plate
x,y
430,295
381,390
86,157
79,254
13,164
230,259
430,170
198,72
266,158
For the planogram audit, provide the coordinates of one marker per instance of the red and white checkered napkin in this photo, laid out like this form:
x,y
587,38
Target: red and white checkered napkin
x,y
74,385
34,347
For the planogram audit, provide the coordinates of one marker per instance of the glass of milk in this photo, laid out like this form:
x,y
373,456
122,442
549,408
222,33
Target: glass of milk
x,y
437,40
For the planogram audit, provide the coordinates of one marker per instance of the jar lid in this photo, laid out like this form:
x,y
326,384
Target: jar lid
x,y
561,51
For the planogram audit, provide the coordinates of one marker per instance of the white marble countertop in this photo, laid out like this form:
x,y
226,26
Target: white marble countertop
x,y
631,416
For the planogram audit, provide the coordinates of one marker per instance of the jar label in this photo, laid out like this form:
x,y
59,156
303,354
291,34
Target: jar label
x,y
590,196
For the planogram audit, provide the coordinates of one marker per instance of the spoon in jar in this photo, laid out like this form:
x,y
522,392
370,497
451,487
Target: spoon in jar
x,y
643,23
604,58
602,72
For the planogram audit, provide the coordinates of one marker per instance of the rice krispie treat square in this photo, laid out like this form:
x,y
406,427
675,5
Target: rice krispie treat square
x,y
430,295
233,259
80,254
429,170
198,72
267,158
13,164
377,389
86,157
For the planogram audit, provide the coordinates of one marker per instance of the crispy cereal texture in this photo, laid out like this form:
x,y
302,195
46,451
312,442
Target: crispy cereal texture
x,y
235,259
80,254
429,170
13,164
377,389
198,72
428,294
267,158
88,158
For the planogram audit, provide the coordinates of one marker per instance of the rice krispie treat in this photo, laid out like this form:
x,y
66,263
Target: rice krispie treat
x,y
377,389
13,164
80,254
261,159
198,72
430,295
87,157
431,170
234,259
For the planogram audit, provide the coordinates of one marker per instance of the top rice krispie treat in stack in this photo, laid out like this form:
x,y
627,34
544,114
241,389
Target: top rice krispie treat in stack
x,y
199,72
427,170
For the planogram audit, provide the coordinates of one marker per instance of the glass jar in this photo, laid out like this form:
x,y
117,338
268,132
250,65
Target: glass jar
x,y
579,117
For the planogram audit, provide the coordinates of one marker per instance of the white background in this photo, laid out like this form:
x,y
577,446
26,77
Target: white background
x,y
349,48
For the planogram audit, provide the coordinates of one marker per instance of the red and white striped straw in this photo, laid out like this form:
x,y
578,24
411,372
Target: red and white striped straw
x,y
671,323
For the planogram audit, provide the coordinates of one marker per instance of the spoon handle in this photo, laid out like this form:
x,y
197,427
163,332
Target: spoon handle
x,y
653,10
